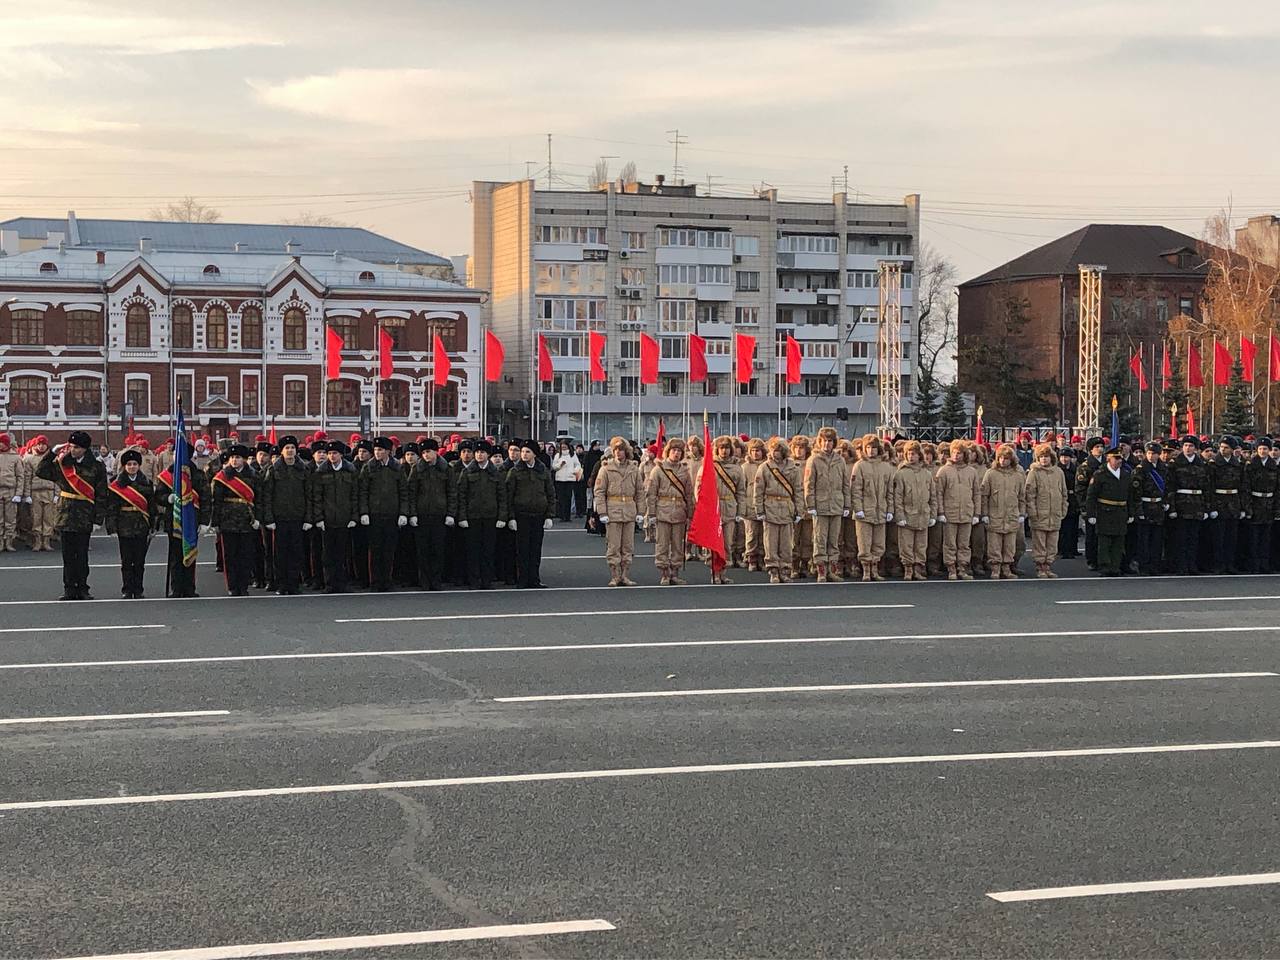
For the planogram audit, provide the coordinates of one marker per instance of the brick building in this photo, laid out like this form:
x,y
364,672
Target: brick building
x,y
1153,273
104,339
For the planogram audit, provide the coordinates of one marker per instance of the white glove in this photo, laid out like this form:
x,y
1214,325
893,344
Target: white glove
x,y
845,513
942,518
26,499
1204,516
888,518
1166,510
1093,521
307,526
511,525
1022,519
759,517
1130,520
901,523
546,524
463,524
271,526
206,529
933,520
1173,515
975,521
320,524
18,498
1241,517
256,525
799,518
500,524
1213,514
402,520
413,521
984,520
859,515
448,521
364,519
604,519
173,498
813,513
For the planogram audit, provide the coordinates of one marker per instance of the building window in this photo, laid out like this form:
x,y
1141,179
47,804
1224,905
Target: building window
x,y
593,235
806,243
295,329
907,280
215,387
1186,306
249,395
683,273
566,383
746,316
672,386
713,274
446,400
629,386
48,267
84,328
859,349
183,336
718,347
633,276
137,391
854,386
749,389
342,398
215,328
633,313
137,327
715,239
395,329
251,328
746,246
295,398
84,397
366,276
674,348
1162,309
676,316
27,326
711,387
635,240
629,349
862,279
184,387
748,280
677,237
449,333
895,248
393,398
348,328
709,313
28,397
212,270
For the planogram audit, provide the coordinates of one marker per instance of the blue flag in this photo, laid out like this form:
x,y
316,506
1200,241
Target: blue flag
x,y
1115,428
186,523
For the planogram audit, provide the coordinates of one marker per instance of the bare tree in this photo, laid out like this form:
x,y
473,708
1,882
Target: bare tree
x,y
628,173
186,210
309,218
598,178
935,282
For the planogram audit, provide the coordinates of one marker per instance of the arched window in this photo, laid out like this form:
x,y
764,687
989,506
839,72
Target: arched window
x,y
343,398
394,400
137,327
215,327
348,328
84,397
251,328
448,333
212,270
366,276
84,328
295,329
27,326
183,328
28,397
48,267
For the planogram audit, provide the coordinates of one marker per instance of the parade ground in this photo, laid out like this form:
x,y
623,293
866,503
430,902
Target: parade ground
x,y
1079,767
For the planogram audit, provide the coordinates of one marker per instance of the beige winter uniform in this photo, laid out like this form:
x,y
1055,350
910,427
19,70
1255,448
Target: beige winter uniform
x,y
913,503
732,491
618,494
869,495
779,506
13,483
694,466
753,546
957,492
44,501
668,498
826,498
1002,507
1046,499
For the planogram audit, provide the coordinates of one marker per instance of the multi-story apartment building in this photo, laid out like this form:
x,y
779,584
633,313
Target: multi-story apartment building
x,y
105,340
662,260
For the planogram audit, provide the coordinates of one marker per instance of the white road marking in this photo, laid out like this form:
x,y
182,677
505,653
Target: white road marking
x,y
1170,599
115,626
626,772
334,944
578,613
1141,886
905,685
92,566
117,716
629,645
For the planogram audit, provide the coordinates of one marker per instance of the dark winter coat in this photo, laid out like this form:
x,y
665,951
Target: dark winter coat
x,y
530,491
1191,477
383,491
334,498
230,515
1262,490
1112,500
122,517
482,496
75,515
433,490
286,491
1226,478
1150,486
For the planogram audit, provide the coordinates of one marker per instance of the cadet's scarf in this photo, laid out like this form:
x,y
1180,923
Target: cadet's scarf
x,y
78,484
237,486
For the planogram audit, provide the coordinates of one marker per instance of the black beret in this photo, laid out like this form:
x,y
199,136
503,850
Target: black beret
x,y
130,456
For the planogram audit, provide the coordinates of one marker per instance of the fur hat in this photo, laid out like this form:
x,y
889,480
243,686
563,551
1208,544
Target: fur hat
x,y
912,446
827,433
1042,450
778,443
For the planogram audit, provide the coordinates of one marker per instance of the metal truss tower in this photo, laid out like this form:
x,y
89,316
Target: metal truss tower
x,y
1090,347
889,347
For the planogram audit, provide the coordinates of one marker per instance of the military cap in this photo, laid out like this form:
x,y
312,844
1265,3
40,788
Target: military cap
x,y
1153,446
1190,439
467,445
1094,442
411,448
429,443
288,439
363,445
263,446
237,450
529,445
130,456
383,443
336,446
1264,441
1115,451
1170,444
79,438
484,446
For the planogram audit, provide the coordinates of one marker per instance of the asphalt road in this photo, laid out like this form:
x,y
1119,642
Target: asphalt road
x,y
621,763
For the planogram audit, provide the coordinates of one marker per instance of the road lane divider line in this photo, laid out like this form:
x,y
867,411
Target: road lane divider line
x,y
621,645
523,615
83,628
903,685
1166,600
1140,886
7,568
367,942
628,772
14,721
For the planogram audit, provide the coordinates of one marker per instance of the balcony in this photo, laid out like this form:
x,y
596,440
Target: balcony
x,y
817,331
714,292
807,296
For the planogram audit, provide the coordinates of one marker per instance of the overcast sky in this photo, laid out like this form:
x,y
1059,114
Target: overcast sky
x,y
1016,121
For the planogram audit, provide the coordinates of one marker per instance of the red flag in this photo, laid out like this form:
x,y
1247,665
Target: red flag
x,y
1166,371
1221,364
494,355
705,529
1194,377
977,428
1191,420
1173,424
793,360
649,362
1273,368
545,370
662,433
440,365
385,345
1248,351
272,436
746,354
697,358
333,347
595,348
1135,367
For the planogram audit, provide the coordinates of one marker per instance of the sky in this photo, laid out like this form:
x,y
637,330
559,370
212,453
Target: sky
x,y
1015,121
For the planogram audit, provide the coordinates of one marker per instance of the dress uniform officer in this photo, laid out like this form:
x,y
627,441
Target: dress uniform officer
x,y
1084,473
1110,508
1152,488
82,502
433,504
384,509
1261,482
129,513
1188,479
234,491
482,512
531,499
286,495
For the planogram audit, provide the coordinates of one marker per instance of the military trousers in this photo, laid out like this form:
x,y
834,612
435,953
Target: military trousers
x,y
133,561
238,556
1150,549
1224,535
777,546
1260,547
182,579
826,538
913,546
481,540
802,544
955,545
8,517
1110,552
335,545
286,550
75,558
429,539
383,533
870,541
528,549
1001,547
1186,545
1044,546
620,542
754,549
669,552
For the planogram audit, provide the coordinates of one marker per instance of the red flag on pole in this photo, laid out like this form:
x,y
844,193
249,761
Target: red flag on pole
x,y
1166,371
272,436
1194,377
1135,367
1173,421
746,354
697,358
333,346
793,360
494,355
662,435
545,370
440,365
385,345
705,530
1273,368
1191,420
1248,352
977,428
649,361
595,349
1221,364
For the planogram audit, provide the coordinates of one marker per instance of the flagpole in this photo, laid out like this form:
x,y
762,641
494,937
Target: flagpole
x,y
1151,432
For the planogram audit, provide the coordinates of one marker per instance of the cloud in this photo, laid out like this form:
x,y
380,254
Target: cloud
x,y
58,26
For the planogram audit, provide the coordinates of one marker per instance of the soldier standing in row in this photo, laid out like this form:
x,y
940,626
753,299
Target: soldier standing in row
x,y
957,511
870,481
826,499
234,516
1109,507
778,503
1188,479
335,505
732,493
384,508
82,493
482,512
617,498
668,508
286,491
433,504
1046,505
913,503
129,517
753,545
1084,473
531,496
1261,481
44,496
1226,479
13,488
